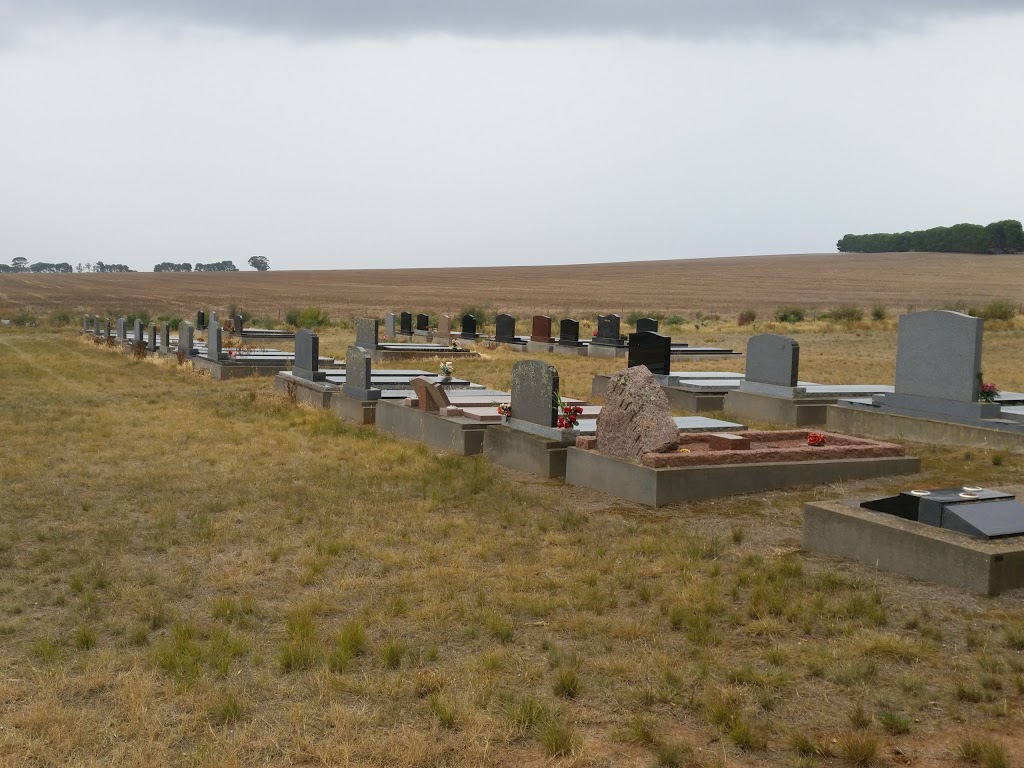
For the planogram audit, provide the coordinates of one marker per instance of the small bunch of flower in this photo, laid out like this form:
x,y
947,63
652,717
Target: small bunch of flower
x,y
232,353
446,368
815,438
455,344
505,409
569,416
988,392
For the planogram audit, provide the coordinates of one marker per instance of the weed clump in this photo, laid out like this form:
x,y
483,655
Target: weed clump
x,y
790,314
308,317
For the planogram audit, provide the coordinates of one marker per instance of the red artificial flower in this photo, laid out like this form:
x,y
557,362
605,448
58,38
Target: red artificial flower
x,y
815,439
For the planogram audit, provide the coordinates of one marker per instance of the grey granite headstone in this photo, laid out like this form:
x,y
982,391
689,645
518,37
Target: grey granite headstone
x,y
185,343
307,356
646,325
165,337
469,327
389,325
504,328
212,320
151,338
405,324
138,330
368,331
85,323
357,375
534,386
938,354
105,329
444,327
773,359
214,341
122,329
569,333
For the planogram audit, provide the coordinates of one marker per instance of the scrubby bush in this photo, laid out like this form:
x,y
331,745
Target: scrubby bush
x,y
234,309
139,314
308,317
61,318
747,316
790,314
1000,309
845,313
637,314
879,312
24,319
173,321
674,320
482,316
263,322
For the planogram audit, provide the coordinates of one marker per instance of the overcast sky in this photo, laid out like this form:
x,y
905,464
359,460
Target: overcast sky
x,y
341,134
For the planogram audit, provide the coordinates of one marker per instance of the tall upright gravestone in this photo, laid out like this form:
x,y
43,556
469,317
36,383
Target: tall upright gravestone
x,y
405,324
389,325
652,350
422,323
357,375
569,333
122,329
444,328
214,341
165,337
138,332
541,330
200,320
367,332
307,356
469,327
504,328
938,366
151,338
608,334
186,346
534,389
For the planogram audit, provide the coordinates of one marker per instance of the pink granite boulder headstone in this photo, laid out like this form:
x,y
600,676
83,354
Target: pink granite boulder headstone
x,y
636,417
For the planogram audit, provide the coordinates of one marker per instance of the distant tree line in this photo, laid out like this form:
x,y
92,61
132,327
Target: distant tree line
x,y
217,266
998,237
168,266
20,264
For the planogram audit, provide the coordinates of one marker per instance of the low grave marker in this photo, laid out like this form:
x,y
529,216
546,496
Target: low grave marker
x,y
358,375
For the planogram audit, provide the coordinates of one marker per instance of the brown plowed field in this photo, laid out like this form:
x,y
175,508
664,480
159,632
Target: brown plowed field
x,y
724,285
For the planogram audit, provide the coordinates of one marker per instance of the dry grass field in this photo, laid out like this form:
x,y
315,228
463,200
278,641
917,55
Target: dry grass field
x,y
725,286
204,574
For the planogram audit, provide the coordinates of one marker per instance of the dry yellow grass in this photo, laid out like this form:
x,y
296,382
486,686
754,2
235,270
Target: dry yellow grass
x,y
200,573
728,285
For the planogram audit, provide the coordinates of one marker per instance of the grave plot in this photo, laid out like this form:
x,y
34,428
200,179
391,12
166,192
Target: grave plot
x,y
680,349
968,537
353,391
939,396
536,435
638,453
771,391
238,328
505,334
231,363
368,338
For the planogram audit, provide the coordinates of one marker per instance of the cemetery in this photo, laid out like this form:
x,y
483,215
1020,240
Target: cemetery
x,y
400,326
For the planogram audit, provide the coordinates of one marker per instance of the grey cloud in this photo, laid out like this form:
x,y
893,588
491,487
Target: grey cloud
x,y
691,19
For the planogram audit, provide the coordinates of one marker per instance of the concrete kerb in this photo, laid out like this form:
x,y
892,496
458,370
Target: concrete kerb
x,y
317,394
785,411
920,551
524,452
225,371
890,426
657,487
458,435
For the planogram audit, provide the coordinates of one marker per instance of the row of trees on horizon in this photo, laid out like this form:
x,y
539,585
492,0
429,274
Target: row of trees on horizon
x,y
20,264
998,237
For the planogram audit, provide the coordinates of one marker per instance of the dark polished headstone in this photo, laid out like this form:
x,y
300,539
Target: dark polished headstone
x,y
541,330
504,328
367,332
138,330
534,386
357,375
307,356
647,324
422,322
238,322
608,331
569,333
151,338
650,349
469,327
200,320
405,324
165,337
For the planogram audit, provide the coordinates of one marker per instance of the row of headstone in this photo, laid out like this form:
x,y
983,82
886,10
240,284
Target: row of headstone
x,y
608,328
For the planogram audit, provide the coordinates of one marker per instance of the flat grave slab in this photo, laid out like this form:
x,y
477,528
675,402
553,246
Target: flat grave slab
x,y
682,350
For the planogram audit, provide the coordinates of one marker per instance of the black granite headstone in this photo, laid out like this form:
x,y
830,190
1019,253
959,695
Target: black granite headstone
x,y
469,327
504,328
608,331
648,324
651,349
405,324
422,322
569,333
200,320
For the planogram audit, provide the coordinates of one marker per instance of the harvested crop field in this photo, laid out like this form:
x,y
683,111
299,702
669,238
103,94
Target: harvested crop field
x,y
815,281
